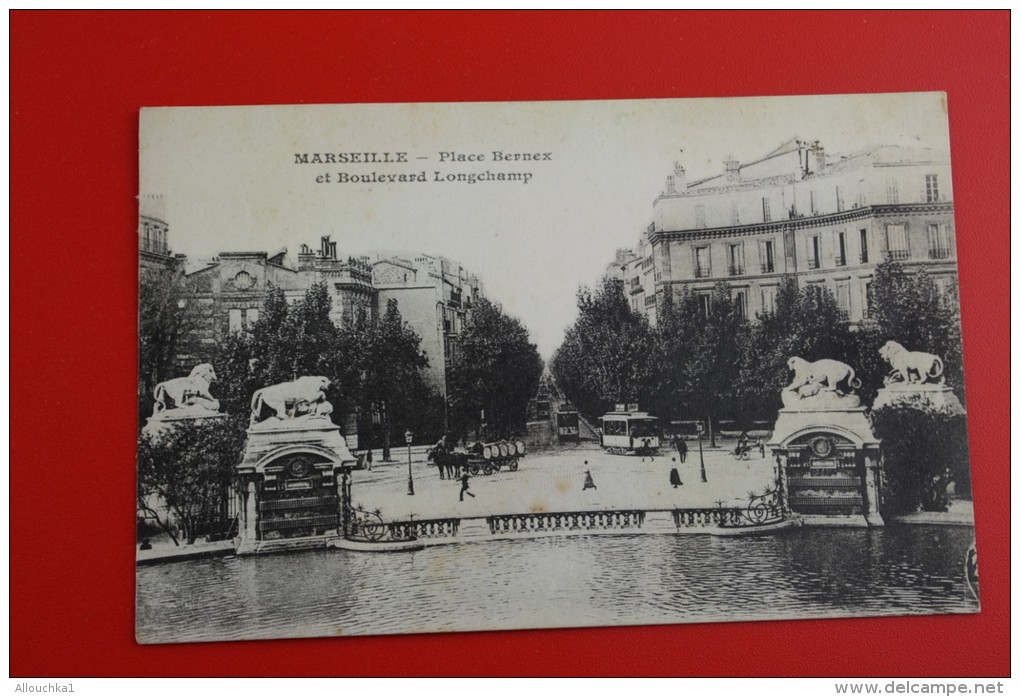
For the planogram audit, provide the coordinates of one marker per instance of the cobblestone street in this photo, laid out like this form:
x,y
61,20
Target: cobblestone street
x,y
553,481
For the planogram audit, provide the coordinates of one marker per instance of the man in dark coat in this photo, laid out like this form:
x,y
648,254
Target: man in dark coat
x,y
464,486
680,444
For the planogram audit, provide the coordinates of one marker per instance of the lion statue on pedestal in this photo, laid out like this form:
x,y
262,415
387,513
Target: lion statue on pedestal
x,y
826,383
192,391
824,375
911,366
305,396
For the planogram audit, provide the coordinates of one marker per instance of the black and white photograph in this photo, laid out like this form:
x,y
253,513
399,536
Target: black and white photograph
x,y
418,368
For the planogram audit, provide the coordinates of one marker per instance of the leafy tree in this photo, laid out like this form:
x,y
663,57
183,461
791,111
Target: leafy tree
x,y
699,354
167,324
393,379
185,472
806,323
495,368
909,309
372,368
924,452
288,341
608,355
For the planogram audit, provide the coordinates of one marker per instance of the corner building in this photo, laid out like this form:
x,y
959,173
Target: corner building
x,y
827,221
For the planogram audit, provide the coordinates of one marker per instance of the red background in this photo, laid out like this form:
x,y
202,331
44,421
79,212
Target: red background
x,y
77,82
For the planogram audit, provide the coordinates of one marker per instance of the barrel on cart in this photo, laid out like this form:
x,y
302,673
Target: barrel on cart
x,y
482,458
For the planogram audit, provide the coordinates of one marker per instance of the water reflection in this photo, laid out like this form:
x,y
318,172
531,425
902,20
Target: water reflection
x,y
569,581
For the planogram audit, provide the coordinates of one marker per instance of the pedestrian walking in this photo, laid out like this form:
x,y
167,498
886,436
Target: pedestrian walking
x,y
646,450
464,486
589,483
368,459
681,449
674,476
761,446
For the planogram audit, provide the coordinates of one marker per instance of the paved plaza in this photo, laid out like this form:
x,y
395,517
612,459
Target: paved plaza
x,y
553,481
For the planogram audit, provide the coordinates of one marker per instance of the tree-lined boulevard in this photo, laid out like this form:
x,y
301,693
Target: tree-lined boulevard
x,y
703,362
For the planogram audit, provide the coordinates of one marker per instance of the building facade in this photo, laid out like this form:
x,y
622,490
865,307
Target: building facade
x,y
153,235
349,281
435,296
826,221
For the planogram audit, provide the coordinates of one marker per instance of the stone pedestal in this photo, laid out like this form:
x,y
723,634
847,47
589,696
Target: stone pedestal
x,y
923,397
828,462
288,484
163,420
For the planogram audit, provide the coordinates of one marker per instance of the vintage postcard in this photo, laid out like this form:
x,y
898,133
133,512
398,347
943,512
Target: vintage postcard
x,y
453,367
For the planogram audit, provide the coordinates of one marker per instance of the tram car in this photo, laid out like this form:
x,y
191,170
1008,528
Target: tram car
x,y
629,432
567,424
543,406
481,458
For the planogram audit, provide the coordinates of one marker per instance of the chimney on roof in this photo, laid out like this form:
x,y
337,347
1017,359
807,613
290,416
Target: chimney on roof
x,y
819,152
732,169
679,176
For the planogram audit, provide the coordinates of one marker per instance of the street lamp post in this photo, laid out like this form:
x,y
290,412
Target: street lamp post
x,y
701,452
410,479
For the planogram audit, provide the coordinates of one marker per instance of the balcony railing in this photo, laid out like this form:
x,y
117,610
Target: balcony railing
x,y
897,254
840,260
736,270
768,268
938,253
864,257
700,272
812,263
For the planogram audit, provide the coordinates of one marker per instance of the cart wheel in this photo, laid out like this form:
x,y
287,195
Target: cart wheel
x,y
496,467
474,469
513,465
487,468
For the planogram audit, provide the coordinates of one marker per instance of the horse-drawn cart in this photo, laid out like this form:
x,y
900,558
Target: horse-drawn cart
x,y
481,458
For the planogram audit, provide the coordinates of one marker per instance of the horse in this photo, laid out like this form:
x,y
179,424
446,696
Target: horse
x,y
449,463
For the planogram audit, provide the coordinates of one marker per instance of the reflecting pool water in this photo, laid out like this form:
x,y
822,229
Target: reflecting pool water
x,y
568,581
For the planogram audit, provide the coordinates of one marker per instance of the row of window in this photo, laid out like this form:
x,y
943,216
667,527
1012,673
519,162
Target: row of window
x,y
896,245
851,304
154,239
892,195
767,297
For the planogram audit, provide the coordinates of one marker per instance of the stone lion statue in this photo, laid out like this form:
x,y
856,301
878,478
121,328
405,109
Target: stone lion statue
x,y
825,375
911,366
192,391
305,396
